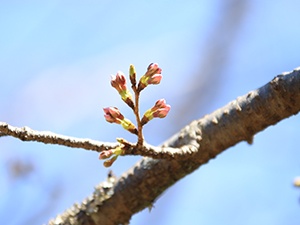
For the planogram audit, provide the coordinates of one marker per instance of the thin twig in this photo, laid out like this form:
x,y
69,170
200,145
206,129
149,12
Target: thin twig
x,y
137,115
47,137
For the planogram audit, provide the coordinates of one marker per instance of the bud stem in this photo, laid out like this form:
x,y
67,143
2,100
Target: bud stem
x,y
137,116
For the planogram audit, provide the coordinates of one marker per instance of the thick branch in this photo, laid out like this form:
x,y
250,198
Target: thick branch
x,y
47,137
237,121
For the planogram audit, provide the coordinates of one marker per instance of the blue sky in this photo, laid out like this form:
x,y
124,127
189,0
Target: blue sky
x,y
55,63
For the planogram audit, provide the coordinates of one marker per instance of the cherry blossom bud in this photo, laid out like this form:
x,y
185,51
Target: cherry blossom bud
x,y
153,69
163,112
113,115
106,154
159,110
110,161
128,125
161,103
111,152
152,76
132,75
155,79
119,83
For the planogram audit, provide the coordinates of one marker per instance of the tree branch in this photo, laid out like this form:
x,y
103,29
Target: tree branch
x,y
47,137
194,145
237,121
163,152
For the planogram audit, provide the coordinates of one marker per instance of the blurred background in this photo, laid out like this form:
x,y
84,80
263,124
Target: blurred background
x,y
56,59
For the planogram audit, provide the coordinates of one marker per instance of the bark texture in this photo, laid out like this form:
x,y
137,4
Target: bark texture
x,y
116,200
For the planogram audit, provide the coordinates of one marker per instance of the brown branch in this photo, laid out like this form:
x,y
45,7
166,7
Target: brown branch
x,y
237,121
3,134
163,152
47,137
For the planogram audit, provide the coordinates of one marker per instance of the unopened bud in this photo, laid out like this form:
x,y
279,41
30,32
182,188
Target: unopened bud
x,y
152,69
132,75
128,125
113,115
110,161
152,76
106,154
119,83
159,110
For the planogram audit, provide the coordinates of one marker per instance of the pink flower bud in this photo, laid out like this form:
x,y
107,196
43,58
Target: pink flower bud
x,y
119,83
163,112
106,154
161,103
153,69
113,115
152,76
155,79
159,110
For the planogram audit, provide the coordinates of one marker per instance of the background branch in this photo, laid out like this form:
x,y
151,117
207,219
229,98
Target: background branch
x,y
237,121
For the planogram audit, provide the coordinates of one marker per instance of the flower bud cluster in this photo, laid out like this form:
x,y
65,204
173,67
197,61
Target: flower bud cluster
x,y
113,114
